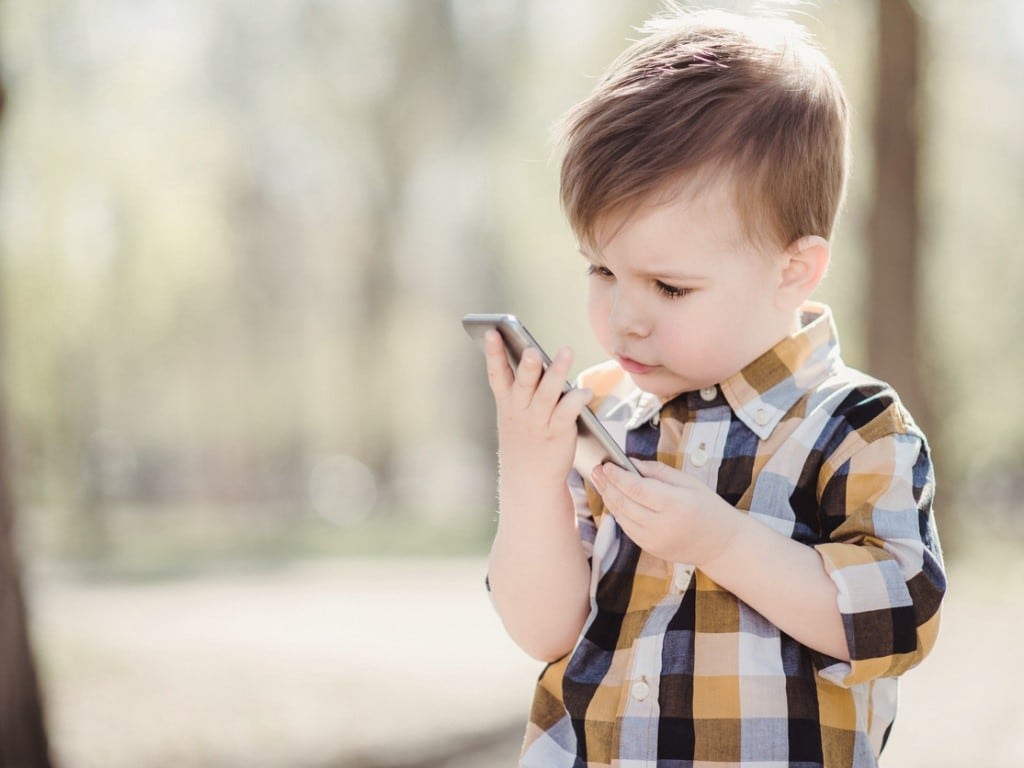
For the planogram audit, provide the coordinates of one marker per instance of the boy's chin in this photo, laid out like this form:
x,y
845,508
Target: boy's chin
x,y
660,385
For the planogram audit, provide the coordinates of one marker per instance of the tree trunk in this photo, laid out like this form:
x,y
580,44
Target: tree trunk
x,y
894,317
23,742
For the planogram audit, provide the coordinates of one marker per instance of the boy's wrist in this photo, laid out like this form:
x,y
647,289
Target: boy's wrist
x,y
530,477
532,501
725,526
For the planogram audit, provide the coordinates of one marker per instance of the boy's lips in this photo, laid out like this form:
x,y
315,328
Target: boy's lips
x,y
629,365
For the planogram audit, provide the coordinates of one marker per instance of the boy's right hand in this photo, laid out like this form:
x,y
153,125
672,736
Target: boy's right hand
x,y
536,424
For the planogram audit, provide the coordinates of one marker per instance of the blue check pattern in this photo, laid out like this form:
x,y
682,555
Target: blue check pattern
x,y
673,671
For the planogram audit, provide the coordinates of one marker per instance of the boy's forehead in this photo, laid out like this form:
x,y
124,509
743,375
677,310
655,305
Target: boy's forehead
x,y
707,197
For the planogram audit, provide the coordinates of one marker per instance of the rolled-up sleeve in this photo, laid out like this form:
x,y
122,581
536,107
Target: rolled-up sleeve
x,y
883,555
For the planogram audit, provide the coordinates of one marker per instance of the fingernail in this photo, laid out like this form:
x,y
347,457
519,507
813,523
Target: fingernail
x,y
597,477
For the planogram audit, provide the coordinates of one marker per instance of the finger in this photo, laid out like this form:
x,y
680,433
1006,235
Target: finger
x,y
552,385
499,373
528,373
649,493
616,500
633,528
657,470
634,520
569,407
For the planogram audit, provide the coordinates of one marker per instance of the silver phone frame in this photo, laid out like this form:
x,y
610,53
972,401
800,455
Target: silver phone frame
x,y
594,444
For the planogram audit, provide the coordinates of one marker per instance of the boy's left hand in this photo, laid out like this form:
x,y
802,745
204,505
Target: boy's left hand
x,y
668,513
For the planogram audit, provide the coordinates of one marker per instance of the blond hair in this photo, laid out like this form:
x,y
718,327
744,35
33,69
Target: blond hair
x,y
713,92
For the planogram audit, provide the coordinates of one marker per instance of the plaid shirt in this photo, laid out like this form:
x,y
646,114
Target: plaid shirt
x,y
673,671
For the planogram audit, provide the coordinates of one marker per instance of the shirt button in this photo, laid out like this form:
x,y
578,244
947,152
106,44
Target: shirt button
x,y
640,690
709,393
761,416
699,456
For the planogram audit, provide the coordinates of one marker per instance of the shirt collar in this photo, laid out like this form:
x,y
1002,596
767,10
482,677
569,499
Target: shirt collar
x,y
764,391
644,406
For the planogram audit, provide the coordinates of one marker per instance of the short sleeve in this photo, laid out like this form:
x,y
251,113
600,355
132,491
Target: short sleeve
x,y
883,554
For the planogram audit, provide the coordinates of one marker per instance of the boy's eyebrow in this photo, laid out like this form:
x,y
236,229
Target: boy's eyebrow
x,y
685,276
669,274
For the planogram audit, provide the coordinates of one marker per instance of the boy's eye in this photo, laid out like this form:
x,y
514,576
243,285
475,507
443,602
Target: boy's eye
x,y
595,270
671,291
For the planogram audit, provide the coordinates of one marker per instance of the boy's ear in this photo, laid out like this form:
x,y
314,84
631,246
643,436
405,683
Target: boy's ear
x,y
805,263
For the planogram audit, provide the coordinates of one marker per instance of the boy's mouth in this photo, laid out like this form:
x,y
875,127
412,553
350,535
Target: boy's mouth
x,y
629,365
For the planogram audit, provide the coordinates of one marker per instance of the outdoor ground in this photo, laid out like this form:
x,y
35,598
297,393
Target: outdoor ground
x,y
364,663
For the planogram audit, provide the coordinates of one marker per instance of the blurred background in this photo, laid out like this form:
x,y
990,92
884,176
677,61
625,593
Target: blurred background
x,y
249,450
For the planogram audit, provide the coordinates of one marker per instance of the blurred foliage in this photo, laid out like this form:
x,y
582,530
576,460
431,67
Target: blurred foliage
x,y
237,240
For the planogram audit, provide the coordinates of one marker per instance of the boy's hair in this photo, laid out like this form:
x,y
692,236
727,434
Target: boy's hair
x,y
712,92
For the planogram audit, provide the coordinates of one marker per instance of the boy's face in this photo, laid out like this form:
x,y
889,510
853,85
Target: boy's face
x,y
680,297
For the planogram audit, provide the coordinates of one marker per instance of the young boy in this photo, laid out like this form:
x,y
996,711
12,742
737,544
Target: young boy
x,y
753,597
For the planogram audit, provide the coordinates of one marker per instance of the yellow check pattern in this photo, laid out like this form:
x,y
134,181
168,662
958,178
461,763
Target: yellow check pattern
x,y
672,671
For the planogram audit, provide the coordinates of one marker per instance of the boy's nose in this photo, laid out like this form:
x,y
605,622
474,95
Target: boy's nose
x,y
627,318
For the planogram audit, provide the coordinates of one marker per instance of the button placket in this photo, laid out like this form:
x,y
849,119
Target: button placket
x,y
701,455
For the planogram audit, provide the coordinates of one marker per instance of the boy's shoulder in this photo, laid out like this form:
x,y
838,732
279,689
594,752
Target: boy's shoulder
x,y
860,409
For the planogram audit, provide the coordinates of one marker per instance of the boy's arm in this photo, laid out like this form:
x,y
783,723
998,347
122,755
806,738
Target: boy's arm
x,y
883,552
869,596
676,517
784,581
538,571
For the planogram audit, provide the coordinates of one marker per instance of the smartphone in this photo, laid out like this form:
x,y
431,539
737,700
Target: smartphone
x,y
594,445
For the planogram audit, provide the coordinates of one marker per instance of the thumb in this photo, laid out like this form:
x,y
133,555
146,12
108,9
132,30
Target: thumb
x,y
657,470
